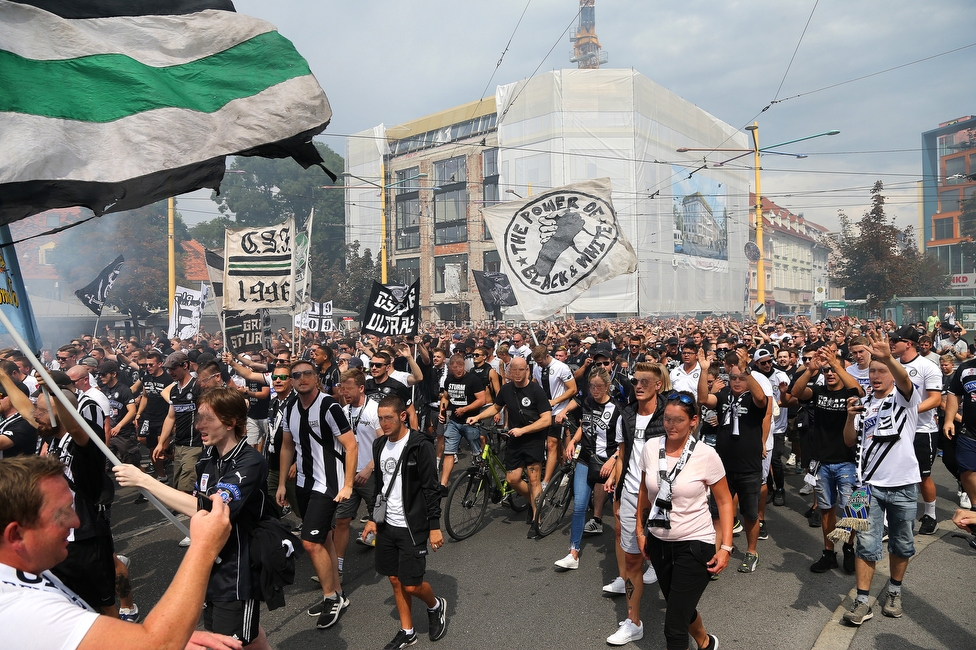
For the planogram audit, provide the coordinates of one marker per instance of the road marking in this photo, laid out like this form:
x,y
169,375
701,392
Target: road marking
x,y
148,529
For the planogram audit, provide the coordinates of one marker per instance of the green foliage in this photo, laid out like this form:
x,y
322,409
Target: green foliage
x,y
211,233
878,261
266,191
346,282
141,236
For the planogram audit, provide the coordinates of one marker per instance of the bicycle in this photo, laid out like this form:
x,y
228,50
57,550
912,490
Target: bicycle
x,y
558,495
467,498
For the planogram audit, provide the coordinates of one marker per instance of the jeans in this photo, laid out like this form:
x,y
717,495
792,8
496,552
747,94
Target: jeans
x,y
581,499
899,504
835,483
452,437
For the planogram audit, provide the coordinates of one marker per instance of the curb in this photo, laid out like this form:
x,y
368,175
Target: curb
x,y
838,636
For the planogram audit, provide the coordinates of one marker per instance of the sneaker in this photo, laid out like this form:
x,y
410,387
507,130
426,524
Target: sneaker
x,y
133,616
401,640
123,559
185,542
297,530
593,527
364,519
162,478
369,541
332,609
615,588
533,532
736,527
791,461
964,502
927,526
314,578
569,562
858,613
545,484
884,534
892,605
626,633
806,489
650,577
848,558
141,498
763,533
285,511
779,497
749,563
826,562
437,621
815,519
712,643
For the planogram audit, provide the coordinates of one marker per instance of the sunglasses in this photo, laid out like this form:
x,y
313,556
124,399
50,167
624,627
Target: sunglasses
x,y
684,398
282,362
279,377
143,365
298,374
894,339
63,358
376,365
603,363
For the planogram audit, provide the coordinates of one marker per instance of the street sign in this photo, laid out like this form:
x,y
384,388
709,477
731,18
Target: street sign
x,y
752,251
963,281
835,304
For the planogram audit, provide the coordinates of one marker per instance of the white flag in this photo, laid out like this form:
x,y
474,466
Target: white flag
x,y
184,317
301,270
555,245
258,267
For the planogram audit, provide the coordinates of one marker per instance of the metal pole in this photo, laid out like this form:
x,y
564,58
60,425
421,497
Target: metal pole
x,y
96,439
171,242
761,264
383,222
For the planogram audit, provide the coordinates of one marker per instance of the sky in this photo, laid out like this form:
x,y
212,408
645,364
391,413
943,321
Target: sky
x,y
389,62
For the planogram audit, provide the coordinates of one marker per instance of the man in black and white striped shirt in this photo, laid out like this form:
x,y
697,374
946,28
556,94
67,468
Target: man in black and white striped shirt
x,y
318,433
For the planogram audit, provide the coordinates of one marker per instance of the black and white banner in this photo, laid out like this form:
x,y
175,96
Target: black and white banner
x,y
258,267
495,289
215,271
187,310
392,310
318,318
248,332
556,245
93,296
301,271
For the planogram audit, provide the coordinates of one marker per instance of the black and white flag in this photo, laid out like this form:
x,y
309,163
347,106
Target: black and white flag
x,y
318,318
556,245
246,332
215,271
93,296
258,267
495,289
186,312
392,310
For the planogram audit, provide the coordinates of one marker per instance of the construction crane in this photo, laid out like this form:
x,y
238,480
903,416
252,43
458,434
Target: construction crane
x,y
586,53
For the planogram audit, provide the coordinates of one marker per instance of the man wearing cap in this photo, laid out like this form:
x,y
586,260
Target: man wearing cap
x,y
182,398
673,359
927,379
956,345
576,357
122,411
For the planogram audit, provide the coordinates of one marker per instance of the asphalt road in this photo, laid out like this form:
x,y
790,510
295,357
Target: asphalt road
x,y
503,591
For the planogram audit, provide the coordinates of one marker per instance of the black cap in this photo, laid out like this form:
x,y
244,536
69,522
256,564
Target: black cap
x,y
671,341
107,367
601,350
906,332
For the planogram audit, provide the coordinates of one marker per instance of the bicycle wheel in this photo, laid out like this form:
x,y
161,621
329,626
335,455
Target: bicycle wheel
x,y
467,500
555,502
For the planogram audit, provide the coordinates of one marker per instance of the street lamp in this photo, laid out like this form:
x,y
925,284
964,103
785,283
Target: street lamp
x,y
383,188
756,151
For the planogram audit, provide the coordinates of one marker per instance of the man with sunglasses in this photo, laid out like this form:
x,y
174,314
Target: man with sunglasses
x,y
152,408
836,474
124,442
380,384
318,438
576,357
67,357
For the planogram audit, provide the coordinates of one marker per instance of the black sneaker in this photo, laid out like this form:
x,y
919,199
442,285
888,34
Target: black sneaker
x,y
533,532
826,562
813,521
848,558
763,533
141,498
437,620
401,640
712,643
779,497
331,611
927,527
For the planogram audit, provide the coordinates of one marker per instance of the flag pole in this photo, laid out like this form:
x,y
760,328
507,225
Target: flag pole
x,y
92,436
95,333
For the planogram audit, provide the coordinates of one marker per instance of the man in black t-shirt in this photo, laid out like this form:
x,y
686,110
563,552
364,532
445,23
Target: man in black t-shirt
x,y
17,436
742,408
380,384
463,394
529,417
836,475
124,442
962,389
152,408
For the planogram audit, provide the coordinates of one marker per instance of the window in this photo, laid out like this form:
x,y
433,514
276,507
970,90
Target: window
x,y
491,193
44,254
490,163
491,262
407,223
406,271
944,228
450,201
955,170
948,200
451,274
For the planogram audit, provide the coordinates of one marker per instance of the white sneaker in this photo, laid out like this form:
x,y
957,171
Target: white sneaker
x,y
615,588
626,633
806,489
185,542
568,562
593,527
649,576
791,462
964,501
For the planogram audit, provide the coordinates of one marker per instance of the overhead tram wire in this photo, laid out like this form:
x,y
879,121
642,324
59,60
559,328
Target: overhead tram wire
x,y
795,50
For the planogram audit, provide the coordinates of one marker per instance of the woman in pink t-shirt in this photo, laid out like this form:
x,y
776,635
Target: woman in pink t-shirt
x,y
673,500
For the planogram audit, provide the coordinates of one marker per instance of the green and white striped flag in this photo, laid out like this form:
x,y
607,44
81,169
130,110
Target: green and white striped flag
x,y
115,104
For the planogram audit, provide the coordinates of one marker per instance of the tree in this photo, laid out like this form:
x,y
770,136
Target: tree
x,y
211,233
876,260
140,235
347,282
265,191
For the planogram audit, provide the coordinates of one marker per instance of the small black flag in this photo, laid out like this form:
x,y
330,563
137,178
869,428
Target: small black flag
x,y
93,296
495,290
215,269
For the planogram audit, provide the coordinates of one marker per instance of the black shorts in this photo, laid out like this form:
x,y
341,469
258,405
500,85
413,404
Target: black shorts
x,y
397,555
126,448
926,449
151,432
89,570
318,514
747,485
555,431
360,493
237,618
522,454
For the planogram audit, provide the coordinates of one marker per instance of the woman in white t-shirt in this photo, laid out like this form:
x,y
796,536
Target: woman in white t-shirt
x,y
677,473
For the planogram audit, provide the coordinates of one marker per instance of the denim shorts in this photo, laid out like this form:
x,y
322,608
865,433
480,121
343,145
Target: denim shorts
x,y
899,503
452,437
835,482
